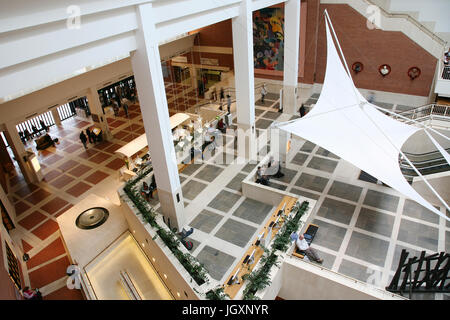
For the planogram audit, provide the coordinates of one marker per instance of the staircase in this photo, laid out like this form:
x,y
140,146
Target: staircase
x,y
381,13
425,163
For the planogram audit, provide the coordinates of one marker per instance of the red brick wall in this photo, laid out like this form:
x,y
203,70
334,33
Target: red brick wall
x,y
373,48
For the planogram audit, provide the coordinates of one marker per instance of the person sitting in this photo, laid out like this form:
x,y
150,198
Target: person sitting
x,y
303,245
278,174
222,126
43,125
146,191
260,178
35,130
29,294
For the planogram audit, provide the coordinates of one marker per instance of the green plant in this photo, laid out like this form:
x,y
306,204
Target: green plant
x,y
258,280
192,266
217,294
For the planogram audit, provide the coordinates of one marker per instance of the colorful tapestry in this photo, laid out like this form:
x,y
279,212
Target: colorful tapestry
x,y
268,38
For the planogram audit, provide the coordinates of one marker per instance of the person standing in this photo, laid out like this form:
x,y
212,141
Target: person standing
x,y
228,103
222,95
83,139
263,93
89,135
302,110
125,108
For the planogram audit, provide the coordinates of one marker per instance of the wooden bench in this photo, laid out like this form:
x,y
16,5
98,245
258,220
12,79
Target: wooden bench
x,y
309,234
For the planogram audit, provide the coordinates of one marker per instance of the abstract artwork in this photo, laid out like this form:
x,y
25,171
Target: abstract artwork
x,y
268,38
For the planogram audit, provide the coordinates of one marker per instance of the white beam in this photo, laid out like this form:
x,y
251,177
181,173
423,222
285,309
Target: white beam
x,y
259,4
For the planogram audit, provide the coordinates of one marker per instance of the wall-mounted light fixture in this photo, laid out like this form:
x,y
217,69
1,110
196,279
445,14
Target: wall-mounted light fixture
x,y
384,69
413,72
357,67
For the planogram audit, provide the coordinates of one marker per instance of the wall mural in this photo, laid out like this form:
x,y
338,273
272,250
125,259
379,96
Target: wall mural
x,y
268,38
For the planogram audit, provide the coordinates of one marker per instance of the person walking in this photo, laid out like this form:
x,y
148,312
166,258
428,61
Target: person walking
x,y
263,93
83,139
228,103
125,108
89,135
222,95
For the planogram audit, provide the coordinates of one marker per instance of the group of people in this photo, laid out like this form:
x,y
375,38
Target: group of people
x,y
26,135
89,136
221,98
147,190
261,174
447,57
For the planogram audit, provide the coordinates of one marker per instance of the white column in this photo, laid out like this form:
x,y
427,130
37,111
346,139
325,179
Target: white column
x,y
291,55
56,116
22,155
147,70
244,80
97,113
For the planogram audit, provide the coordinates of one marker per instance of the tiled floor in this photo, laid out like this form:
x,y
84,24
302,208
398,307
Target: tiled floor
x,y
362,225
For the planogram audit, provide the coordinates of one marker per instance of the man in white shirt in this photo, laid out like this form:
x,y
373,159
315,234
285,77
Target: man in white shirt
x,y
310,252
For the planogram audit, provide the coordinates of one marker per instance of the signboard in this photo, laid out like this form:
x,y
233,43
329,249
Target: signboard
x,y
210,62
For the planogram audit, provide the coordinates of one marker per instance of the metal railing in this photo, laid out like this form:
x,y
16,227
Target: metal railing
x,y
410,19
425,163
426,112
445,74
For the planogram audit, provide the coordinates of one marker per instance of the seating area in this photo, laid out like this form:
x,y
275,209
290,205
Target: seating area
x,y
309,234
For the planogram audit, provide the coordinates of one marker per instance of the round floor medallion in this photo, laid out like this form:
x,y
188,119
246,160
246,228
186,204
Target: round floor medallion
x,y
92,218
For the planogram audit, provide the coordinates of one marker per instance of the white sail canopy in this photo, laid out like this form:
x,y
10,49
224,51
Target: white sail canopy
x,y
343,122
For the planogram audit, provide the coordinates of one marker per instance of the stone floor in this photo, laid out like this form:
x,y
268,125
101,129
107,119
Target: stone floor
x,y
363,225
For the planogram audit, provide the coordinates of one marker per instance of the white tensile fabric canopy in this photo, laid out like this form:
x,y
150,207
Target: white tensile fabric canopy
x,y
345,123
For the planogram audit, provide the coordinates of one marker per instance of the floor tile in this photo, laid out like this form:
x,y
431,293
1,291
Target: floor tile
x,y
224,201
322,164
253,211
381,200
376,222
329,235
99,158
79,170
299,158
236,182
37,196
116,164
68,165
311,182
215,261
20,207
336,210
345,191
64,294
209,173
54,205
192,189
62,181
78,189
236,232
206,221
308,146
46,229
304,193
49,273
54,249
96,177
324,152
26,190
354,270
262,124
415,210
32,220
418,234
52,175
367,248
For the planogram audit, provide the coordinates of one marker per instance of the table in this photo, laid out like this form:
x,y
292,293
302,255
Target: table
x,y
96,131
233,289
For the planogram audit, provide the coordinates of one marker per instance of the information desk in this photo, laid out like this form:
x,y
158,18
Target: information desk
x,y
244,268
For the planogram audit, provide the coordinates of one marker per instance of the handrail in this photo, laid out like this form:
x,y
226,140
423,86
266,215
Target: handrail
x,y
432,109
412,20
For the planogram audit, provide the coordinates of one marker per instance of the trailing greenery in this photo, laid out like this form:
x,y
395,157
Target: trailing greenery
x,y
192,266
258,280
217,294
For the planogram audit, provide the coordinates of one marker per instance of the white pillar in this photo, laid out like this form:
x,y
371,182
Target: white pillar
x,y
244,80
147,70
22,155
291,55
56,116
97,113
